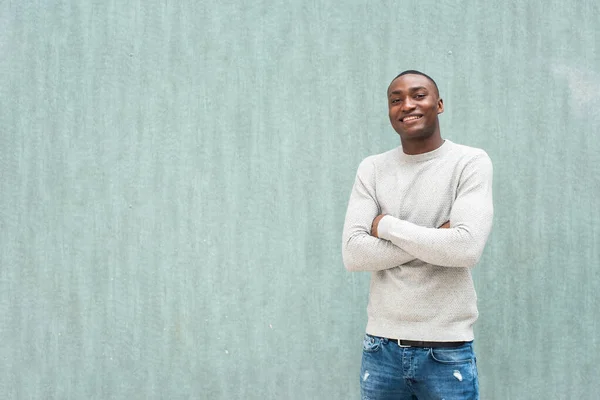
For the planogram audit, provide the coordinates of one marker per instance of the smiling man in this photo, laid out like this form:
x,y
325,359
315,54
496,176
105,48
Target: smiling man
x,y
418,219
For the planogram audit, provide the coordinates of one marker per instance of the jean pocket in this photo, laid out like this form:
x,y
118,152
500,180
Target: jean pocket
x,y
371,343
453,355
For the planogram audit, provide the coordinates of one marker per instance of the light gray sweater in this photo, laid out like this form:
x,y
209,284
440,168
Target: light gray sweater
x,y
421,285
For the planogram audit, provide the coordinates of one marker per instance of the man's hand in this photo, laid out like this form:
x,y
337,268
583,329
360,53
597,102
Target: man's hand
x,y
375,223
446,225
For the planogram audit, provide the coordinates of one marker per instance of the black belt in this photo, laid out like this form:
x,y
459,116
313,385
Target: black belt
x,y
418,343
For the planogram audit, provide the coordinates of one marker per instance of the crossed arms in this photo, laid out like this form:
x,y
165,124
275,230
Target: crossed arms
x,y
372,242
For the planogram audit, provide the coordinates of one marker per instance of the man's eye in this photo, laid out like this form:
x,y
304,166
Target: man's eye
x,y
420,96
395,101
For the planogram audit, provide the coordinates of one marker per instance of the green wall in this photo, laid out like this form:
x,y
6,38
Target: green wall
x,y
175,175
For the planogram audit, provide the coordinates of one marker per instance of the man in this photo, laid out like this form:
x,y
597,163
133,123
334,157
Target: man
x,y
418,218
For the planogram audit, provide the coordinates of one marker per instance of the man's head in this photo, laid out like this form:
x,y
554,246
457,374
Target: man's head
x,y
414,104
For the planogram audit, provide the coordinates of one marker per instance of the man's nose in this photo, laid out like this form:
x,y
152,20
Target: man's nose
x,y
407,105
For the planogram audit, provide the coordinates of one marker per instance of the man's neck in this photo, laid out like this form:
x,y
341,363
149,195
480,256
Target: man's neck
x,y
413,147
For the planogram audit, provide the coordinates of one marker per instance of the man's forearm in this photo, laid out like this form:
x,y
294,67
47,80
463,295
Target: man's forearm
x,y
453,247
363,252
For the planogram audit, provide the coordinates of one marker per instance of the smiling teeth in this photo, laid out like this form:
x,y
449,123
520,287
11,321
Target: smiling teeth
x,y
410,118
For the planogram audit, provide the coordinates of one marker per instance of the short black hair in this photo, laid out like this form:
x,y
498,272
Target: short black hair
x,y
415,72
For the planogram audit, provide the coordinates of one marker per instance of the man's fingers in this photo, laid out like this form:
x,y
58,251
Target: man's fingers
x,y
445,225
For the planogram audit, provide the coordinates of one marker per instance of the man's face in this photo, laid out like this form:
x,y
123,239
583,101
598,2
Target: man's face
x,y
414,105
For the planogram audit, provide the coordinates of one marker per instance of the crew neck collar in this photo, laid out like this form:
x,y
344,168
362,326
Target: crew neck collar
x,y
412,158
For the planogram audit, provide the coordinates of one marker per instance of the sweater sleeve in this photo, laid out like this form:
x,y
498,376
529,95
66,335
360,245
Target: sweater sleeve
x,y
360,250
471,216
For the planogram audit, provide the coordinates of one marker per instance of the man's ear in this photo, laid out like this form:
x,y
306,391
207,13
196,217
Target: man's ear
x,y
440,106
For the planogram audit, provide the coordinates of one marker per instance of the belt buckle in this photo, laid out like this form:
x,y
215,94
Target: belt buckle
x,y
402,345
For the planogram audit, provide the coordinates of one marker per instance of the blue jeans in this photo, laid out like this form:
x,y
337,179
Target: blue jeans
x,y
389,371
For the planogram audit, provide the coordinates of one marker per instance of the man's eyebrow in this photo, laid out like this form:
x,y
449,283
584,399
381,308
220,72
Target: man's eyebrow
x,y
412,89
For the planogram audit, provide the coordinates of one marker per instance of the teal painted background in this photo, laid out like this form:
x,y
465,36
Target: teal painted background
x,y
175,175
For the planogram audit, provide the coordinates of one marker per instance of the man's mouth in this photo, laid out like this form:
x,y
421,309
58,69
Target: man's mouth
x,y
410,118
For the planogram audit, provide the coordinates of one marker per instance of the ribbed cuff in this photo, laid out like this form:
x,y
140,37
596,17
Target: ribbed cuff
x,y
384,226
